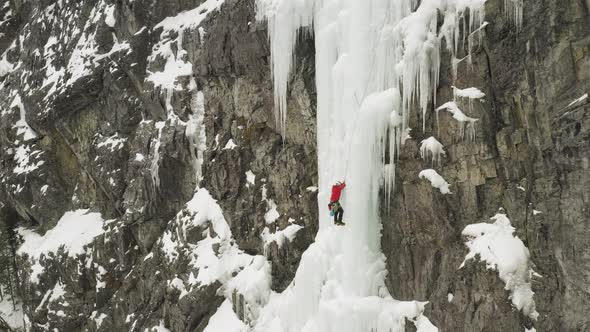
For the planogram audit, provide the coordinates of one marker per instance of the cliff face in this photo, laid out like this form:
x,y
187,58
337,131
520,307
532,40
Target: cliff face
x,y
112,107
107,133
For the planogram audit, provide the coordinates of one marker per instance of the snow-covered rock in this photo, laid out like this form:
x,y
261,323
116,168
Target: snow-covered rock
x,y
501,250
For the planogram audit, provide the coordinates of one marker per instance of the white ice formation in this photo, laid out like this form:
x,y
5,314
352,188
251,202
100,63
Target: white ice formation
x,y
465,122
433,148
471,93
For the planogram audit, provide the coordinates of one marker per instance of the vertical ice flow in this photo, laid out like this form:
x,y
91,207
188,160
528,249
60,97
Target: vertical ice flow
x,y
375,61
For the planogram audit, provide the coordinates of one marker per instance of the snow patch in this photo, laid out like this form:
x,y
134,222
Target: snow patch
x,y
471,93
436,180
57,293
226,320
230,145
113,142
433,148
497,246
178,284
5,66
27,161
22,126
191,18
272,214
109,18
287,234
170,49
98,318
73,232
250,178
579,100
148,256
465,122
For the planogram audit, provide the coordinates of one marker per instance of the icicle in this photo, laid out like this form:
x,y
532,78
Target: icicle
x,y
464,120
513,10
155,163
284,19
195,129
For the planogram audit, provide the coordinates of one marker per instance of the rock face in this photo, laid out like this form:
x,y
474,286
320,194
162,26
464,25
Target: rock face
x,y
530,156
106,106
108,134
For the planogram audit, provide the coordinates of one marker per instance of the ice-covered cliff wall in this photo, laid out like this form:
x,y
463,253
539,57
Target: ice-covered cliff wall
x,y
126,108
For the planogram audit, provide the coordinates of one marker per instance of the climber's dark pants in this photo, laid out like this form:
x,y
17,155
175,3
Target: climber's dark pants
x,y
338,214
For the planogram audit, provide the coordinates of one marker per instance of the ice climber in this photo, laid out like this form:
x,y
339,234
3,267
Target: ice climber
x,y
334,206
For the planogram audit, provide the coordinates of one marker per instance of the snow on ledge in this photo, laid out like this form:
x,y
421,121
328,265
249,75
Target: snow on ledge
x,y
464,120
113,143
226,320
190,18
458,115
471,93
280,236
579,100
73,231
434,147
436,180
250,178
230,145
496,245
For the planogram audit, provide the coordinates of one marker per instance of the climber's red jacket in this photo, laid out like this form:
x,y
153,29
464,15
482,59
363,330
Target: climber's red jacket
x,y
336,191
